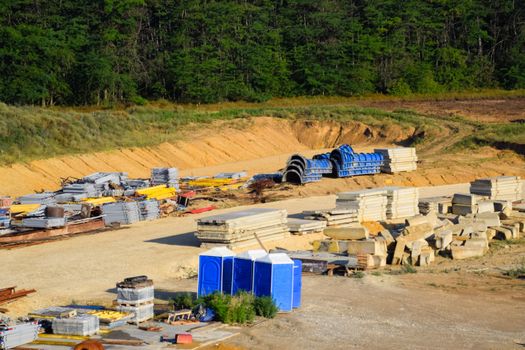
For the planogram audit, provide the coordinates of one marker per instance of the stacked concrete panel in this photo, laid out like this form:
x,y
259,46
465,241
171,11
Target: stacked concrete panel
x,y
337,217
500,187
398,159
370,204
243,228
402,202
302,226
435,204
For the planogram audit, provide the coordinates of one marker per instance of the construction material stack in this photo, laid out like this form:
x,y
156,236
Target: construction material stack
x,y
302,226
106,183
300,170
338,217
77,191
165,176
402,202
370,204
135,295
13,335
500,188
124,213
242,228
77,324
398,159
436,205
149,209
348,163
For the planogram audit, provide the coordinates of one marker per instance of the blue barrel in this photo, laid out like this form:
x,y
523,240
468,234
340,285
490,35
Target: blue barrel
x,y
215,271
297,283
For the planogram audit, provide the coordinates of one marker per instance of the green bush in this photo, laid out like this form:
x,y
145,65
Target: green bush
x,y
265,307
237,309
184,300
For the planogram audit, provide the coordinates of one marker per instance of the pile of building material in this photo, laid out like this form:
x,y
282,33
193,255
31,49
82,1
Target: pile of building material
x,y
301,170
79,324
411,247
44,198
435,205
242,228
124,213
348,163
500,188
42,222
398,159
402,202
135,295
149,209
355,242
370,204
110,319
165,176
13,334
338,217
238,175
77,191
105,182
463,204
302,226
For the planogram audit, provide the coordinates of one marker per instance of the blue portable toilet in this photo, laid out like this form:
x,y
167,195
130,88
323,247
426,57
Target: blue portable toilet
x,y
243,267
297,282
215,271
273,276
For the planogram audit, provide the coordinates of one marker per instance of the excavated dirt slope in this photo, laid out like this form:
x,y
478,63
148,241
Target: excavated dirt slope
x,y
225,143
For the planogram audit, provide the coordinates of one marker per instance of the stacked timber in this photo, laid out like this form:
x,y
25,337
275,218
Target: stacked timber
x,y
121,212
500,188
370,204
302,226
398,159
337,217
402,202
242,228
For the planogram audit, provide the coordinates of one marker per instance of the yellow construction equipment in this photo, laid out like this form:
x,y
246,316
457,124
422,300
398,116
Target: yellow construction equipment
x,y
99,201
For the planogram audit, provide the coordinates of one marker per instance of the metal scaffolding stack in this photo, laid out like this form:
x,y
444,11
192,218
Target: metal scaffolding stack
x,y
398,159
370,204
121,212
165,176
149,209
243,228
499,188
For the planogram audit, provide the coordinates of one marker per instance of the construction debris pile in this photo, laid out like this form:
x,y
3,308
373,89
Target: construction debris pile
x,y
502,188
242,228
398,159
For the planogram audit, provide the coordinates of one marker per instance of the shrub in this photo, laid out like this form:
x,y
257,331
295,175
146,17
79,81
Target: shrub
x,y
183,300
265,307
238,309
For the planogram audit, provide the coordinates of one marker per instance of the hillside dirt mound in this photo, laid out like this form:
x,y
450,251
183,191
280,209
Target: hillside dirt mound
x,y
263,144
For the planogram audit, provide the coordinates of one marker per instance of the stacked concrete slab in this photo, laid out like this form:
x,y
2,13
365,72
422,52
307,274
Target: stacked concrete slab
x,y
500,187
463,204
402,202
302,226
398,159
337,217
243,228
135,295
436,205
370,204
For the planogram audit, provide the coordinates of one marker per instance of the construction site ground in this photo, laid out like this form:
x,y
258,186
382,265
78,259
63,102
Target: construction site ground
x,y
466,304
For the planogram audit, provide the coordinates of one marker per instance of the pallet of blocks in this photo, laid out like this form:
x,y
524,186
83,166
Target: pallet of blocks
x,y
333,217
370,204
398,159
242,228
500,187
135,295
302,226
402,202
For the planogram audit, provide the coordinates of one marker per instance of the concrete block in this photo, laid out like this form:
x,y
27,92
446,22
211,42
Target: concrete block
x,y
460,209
416,220
491,233
355,232
467,231
485,207
399,251
443,239
515,231
477,243
490,219
421,231
368,246
502,233
426,257
463,252
387,236
465,199
375,261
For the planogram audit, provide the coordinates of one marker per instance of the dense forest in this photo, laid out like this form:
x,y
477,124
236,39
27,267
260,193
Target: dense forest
x,y
77,52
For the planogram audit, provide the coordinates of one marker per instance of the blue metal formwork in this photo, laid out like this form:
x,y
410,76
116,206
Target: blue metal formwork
x,y
302,170
347,163
243,268
297,283
215,271
273,276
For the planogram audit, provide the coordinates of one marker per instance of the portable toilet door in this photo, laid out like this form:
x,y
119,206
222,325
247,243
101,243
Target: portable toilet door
x,y
243,268
215,271
273,276
297,282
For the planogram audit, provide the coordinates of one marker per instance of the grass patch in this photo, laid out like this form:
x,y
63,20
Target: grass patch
x,y
518,272
376,273
358,274
404,270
